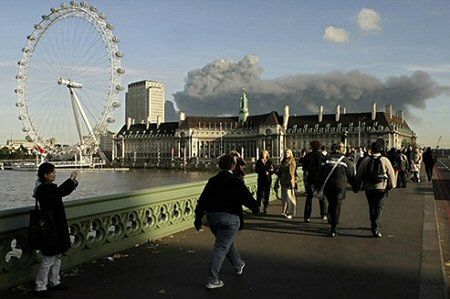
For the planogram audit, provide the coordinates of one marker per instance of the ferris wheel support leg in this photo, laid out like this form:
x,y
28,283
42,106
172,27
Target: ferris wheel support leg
x,y
83,114
73,98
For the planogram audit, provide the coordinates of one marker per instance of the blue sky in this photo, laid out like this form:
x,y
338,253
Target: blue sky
x,y
164,40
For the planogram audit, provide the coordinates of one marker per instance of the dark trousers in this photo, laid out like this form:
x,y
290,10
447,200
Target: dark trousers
x,y
334,197
376,199
401,179
263,194
310,189
429,171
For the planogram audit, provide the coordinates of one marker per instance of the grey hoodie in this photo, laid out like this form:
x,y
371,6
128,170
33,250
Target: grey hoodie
x,y
391,181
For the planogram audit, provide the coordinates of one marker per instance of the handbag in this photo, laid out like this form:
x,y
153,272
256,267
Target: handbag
x,y
320,194
41,229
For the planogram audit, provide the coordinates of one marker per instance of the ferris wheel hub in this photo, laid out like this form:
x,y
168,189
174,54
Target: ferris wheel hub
x,y
69,83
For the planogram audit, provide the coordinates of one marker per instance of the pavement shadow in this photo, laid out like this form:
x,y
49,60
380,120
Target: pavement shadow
x,y
317,227
172,272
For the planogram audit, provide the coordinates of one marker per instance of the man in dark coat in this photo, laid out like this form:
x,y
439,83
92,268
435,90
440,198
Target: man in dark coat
x,y
429,159
312,162
49,196
222,201
340,173
265,169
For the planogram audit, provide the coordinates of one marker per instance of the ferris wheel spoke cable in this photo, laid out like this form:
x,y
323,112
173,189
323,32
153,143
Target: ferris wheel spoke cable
x,y
87,46
41,96
73,56
41,116
90,109
88,58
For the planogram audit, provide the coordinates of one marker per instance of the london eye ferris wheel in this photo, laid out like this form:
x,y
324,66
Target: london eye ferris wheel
x,y
69,79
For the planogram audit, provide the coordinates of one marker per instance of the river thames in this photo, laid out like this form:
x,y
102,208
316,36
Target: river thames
x,y
17,186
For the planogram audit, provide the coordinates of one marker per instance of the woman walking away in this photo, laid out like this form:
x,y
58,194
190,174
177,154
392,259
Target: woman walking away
x,y
222,201
416,164
429,159
49,196
286,174
336,172
264,168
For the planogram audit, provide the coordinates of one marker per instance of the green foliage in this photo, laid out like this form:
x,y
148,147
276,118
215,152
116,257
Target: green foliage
x,y
11,154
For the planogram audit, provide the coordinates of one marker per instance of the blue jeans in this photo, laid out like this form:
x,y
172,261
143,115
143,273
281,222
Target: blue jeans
x,y
224,227
376,199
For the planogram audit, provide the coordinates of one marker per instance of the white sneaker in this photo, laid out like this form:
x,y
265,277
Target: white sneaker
x,y
240,270
289,216
217,285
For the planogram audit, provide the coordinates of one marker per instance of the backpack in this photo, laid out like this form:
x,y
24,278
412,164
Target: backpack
x,y
374,172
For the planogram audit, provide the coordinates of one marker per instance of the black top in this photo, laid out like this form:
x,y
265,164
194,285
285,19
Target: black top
x,y
50,196
311,165
429,158
264,171
342,175
225,193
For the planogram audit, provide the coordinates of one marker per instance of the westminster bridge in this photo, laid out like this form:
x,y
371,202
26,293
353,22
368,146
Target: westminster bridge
x,y
142,244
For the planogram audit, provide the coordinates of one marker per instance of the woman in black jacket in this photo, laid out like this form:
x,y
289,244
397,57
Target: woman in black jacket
x,y
49,196
222,201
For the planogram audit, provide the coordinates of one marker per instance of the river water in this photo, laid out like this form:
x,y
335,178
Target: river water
x,y
16,187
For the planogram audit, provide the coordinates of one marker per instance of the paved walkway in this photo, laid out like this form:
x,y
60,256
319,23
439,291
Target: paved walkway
x,y
285,258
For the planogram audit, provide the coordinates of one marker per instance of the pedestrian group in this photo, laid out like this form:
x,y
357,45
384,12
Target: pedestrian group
x,y
326,175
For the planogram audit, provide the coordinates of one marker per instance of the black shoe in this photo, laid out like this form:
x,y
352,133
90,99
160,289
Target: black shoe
x,y
42,294
59,287
264,211
307,220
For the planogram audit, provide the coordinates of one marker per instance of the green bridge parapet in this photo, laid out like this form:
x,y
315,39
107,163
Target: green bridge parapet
x,y
102,225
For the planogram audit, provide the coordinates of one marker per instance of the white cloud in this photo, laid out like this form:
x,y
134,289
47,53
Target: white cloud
x,y
369,20
435,68
336,35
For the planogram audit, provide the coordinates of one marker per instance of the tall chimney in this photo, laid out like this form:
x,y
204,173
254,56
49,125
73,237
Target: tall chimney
x,y
158,121
132,121
343,110
400,115
286,117
147,124
374,111
128,123
389,111
320,113
338,113
182,116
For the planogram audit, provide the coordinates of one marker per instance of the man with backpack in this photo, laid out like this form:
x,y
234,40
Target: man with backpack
x,y
377,177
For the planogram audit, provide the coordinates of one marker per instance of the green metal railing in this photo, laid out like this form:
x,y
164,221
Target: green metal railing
x,y
102,225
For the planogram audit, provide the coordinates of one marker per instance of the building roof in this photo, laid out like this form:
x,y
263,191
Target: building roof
x,y
365,117
253,121
167,128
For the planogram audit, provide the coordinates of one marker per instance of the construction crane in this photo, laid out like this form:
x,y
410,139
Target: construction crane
x,y
438,141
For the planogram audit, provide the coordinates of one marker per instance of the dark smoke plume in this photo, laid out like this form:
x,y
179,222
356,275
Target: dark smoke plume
x,y
216,88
